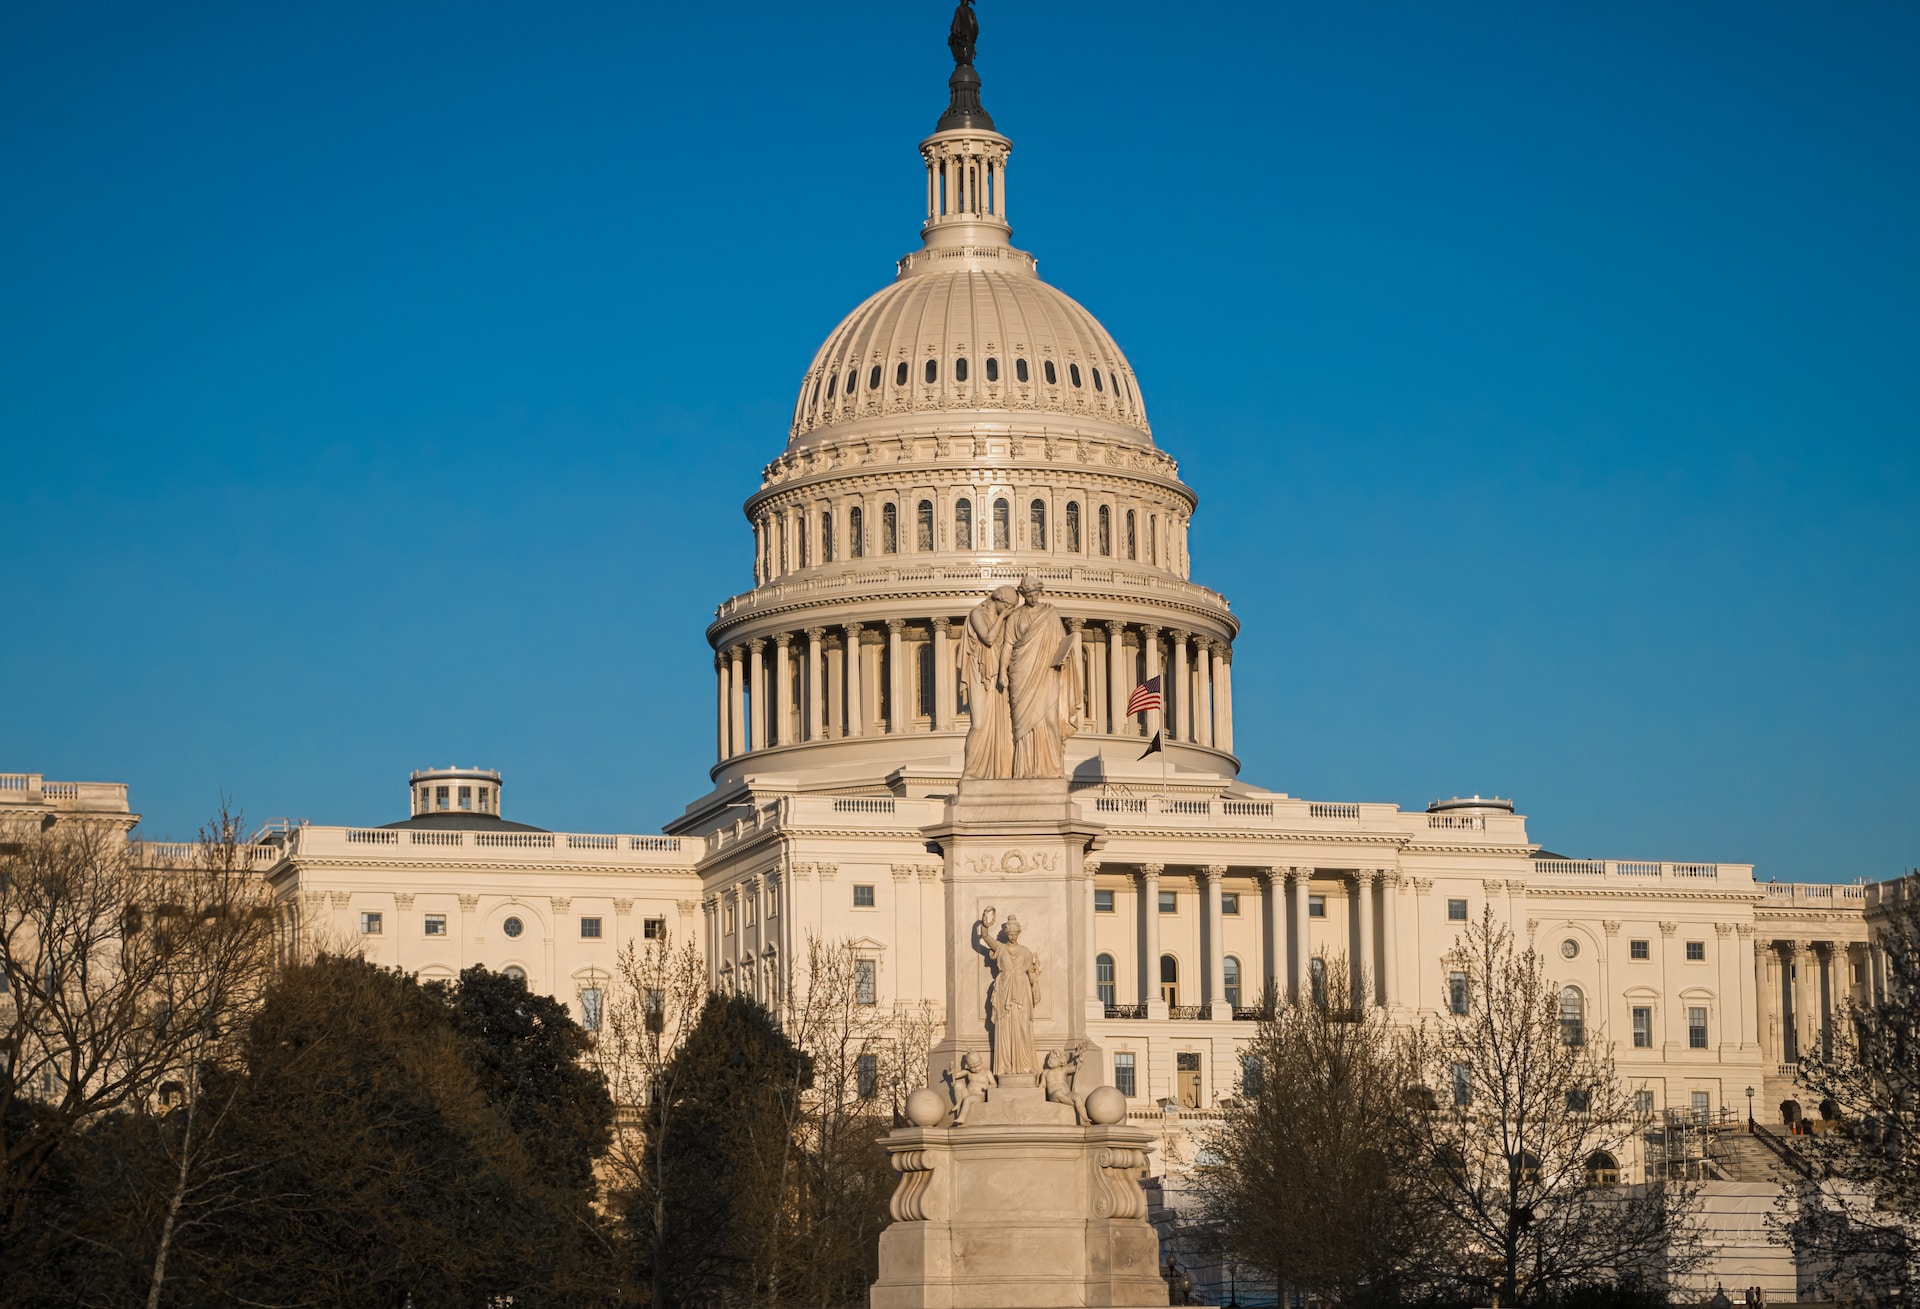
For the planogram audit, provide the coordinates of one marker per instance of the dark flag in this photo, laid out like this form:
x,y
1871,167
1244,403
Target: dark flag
x,y
1153,748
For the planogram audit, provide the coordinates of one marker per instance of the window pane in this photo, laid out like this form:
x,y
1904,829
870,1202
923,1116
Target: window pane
x,y
1696,951
923,527
1123,1061
889,530
1037,525
856,529
963,525
1456,911
1002,525
590,1009
1457,992
590,928
1169,902
993,369
1316,906
436,924
865,984
1103,902
1697,1028
1230,902
933,372
1642,1028
1053,378
1638,950
960,369
863,897
1073,526
1020,370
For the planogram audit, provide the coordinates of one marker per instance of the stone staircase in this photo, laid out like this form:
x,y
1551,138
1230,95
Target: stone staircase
x,y
1744,1158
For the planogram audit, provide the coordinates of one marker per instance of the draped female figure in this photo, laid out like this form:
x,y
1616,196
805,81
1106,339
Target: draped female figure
x,y
983,661
1043,684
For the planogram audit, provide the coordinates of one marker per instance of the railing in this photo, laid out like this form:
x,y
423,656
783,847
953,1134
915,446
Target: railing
x,y
1126,1011
430,837
372,836
1119,804
863,805
1188,1011
60,790
514,840
1824,894
829,580
593,843
1571,867
660,843
1458,822
19,781
170,852
1257,1014
1333,810
1625,868
1247,808
1637,870
1785,1153
1186,807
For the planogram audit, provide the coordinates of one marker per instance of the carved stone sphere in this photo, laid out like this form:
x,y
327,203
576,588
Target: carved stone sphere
x,y
1105,1105
926,1107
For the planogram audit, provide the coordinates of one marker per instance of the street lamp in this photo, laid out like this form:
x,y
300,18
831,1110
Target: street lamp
x,y
1749,1108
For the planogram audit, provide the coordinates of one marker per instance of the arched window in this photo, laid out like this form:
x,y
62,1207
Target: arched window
x,y
923,668
933,371
923,526
1073,526
1169,979
1037,525
993,369
826,537
1573,1016
963,525
889,530
1020,370
515,971
1106,530
873,379
1073,371
805,554
1103,978
1153,538
1230,970
900,373
1602,1169
1002,525
856,532
1317,980
1096,381
1053,378
960,369
1133,540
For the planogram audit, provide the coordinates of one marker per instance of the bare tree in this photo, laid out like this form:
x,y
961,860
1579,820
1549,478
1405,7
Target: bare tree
x,y
1520,1151
123,978
1308,1179
1856,1220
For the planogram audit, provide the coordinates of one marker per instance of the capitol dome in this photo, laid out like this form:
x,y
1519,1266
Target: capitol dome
x,y
970,330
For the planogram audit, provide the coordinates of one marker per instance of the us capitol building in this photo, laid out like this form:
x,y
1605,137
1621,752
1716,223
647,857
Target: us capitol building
x,y
964,427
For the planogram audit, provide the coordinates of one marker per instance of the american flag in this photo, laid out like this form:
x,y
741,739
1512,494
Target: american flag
x,y
1145,697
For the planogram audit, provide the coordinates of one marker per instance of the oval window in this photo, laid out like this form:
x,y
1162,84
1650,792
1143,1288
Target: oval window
x,y
515,971
873,379
1053,379
1020,370
993,369
933,372
1096,380
960,369
1073,371
831,383
853,376
1569,948
900,374
513,927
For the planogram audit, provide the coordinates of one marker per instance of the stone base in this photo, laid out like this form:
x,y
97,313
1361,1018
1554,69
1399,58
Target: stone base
x,y
1015,1212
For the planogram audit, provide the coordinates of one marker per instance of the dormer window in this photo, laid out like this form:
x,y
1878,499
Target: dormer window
x,y
1019,370
960,369
993,369
933,371
873,379
1096,380
1073,371
1053,378
900,374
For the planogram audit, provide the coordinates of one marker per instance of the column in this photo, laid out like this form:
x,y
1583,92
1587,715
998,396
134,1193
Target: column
x,y
737,704
943,695
720,722
1390,943
1096,683
1150,940
1118,684
1824,979
1156,719
1302,942
1222,719
816,689
1223,692
897,716
1789,951
1366,968
1757,966
1075,629
1273,942
1215,954
856,711
757,692
1202,693
1183,714
783,684
1090,870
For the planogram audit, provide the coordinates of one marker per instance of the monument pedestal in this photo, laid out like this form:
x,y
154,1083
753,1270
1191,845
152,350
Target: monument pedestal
x,y
1019,1210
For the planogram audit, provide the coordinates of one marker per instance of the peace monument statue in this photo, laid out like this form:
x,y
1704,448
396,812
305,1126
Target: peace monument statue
x,y
1013,998
1023,685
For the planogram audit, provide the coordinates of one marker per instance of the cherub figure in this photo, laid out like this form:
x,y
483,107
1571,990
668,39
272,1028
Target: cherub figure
x,y
1058,1078
970,1085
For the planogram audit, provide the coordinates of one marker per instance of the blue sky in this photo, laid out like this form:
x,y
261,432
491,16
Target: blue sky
x,y
379,385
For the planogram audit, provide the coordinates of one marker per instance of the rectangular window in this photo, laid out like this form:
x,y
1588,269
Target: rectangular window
x,y
1103,979
590,1009
1696,952
1316,906
753,911
1697,1028
1462,1084
727,921
1123,1073
436,924
1103,902
466,797
1642,1028
863,897
772,894
866,1076
1456,911
1643,1104
1169,902
1250,1075
1578,1099
1702,1105
1230,902
1639,950
866,986
369,924
1457,992
590,929
440,797
654,929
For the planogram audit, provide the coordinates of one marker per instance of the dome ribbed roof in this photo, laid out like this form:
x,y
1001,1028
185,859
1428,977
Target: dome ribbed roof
x,y
977,315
